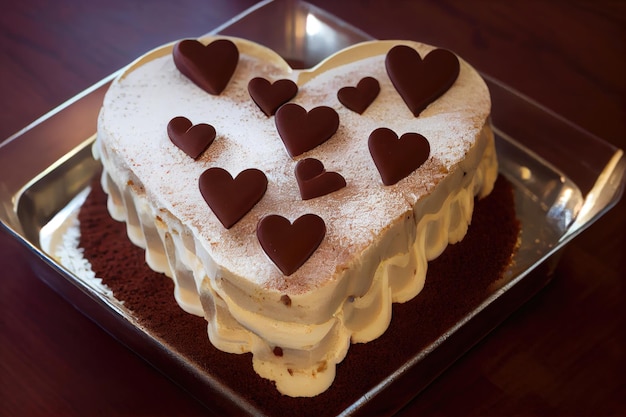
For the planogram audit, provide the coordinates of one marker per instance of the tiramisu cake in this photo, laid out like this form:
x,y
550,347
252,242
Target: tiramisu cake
x,y
292,208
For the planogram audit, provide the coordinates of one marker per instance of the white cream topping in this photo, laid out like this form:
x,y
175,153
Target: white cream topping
x,y
378,237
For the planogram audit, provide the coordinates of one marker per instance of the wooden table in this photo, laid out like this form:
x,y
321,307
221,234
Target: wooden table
x,y
563,353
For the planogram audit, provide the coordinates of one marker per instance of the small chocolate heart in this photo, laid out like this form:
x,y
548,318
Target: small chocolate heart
x,y
302,131
210,67
360,97
230,199
314,181
420,82
270,96
397,158
290,245
191,139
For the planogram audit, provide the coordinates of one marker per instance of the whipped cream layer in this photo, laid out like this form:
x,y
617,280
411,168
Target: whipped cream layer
x,y
379,238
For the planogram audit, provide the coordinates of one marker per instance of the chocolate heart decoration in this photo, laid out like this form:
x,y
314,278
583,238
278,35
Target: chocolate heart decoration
x,y
270,96
191,139
302,131
314,181
420,82
397,158
210,67
360,97
290,245
230,199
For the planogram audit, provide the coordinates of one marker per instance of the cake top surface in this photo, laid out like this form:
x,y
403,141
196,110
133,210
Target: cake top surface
x,y
140,104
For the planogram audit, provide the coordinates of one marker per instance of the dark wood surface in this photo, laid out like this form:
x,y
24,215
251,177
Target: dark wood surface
x,y
563,353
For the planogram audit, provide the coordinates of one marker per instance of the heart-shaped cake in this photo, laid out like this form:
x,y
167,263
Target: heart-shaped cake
x,y
317,200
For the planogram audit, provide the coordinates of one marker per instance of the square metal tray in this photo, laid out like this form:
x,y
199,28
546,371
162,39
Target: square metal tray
x,y
557,193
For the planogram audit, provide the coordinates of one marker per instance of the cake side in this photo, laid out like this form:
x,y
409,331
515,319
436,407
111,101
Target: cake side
x,y
457,284
378,239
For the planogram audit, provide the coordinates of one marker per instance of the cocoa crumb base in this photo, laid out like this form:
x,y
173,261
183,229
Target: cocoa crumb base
x,y
457,282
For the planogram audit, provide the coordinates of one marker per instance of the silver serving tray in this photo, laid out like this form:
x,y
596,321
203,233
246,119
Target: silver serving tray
x,y
558,195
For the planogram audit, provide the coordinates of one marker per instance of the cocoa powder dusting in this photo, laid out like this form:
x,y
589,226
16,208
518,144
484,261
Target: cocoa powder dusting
x,y
457,281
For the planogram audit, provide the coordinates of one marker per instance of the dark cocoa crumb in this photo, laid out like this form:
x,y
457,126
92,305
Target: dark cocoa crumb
x,y
286,300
